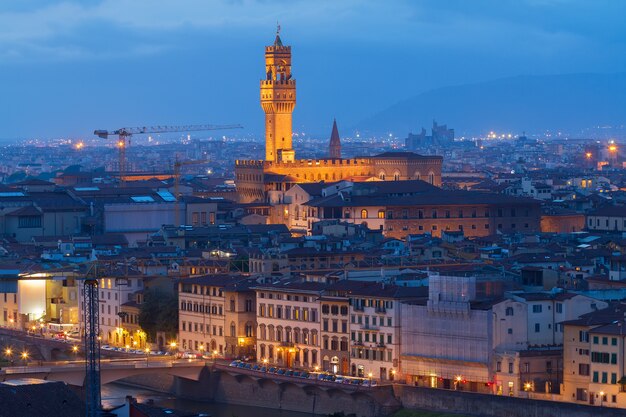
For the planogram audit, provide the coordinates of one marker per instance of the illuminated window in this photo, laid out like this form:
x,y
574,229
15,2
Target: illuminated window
x,y
381,214
364,214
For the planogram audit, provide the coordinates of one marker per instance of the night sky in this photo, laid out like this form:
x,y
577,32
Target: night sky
x,y
69,67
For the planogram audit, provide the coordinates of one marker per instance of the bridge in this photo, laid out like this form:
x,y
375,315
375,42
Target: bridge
x,y
73,372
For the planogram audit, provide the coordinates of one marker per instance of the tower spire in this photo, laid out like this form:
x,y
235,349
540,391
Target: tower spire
x,y
335,142
277,41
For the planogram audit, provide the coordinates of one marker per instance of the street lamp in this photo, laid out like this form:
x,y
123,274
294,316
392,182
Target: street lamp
x,y
601,398
75,350
370,375
25,357
393,374
9,353
201,349
147,350
457,381
173,347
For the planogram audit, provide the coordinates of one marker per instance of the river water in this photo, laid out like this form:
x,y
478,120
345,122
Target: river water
x,y
115,395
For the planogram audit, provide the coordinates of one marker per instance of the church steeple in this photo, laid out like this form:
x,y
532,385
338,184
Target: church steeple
x,y
335,142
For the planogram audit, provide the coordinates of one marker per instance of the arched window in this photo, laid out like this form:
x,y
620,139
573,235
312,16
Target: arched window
x,y
509,311
364,214
417,175
381,214
233,329
431,178
381,175
396,176
232,303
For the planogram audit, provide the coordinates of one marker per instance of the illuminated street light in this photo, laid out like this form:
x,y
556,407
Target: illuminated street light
x,y
25,357
457,381
9,354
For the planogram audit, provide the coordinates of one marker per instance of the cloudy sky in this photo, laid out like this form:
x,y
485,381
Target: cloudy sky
x,y
69,67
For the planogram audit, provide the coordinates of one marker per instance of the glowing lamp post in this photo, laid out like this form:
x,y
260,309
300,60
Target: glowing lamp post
x,y
25,358
601,398
147,350
370,375
173,347
9,354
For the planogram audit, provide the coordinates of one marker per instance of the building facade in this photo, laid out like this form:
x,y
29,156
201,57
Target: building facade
x,y
288,318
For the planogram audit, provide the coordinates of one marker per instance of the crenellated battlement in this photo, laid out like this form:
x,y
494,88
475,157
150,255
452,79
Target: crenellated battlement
x,y
268,83
249,163
278,48
301,163
329,162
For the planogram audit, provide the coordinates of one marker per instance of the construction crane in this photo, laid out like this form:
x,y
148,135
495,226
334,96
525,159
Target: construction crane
x,y
177,166
92,342
124,134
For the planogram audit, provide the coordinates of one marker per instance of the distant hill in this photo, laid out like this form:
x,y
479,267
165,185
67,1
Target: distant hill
x,y
524,103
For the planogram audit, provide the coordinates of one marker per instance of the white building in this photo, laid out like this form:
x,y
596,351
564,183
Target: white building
x,y
288,319
201,313
115,288
375,320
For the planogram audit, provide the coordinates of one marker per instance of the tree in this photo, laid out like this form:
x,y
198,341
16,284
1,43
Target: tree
x,y
159,313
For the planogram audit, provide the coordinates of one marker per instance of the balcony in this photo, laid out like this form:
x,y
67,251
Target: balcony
x,y
369,327
381,310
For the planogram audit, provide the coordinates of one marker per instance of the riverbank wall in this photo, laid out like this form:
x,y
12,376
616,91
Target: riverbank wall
x,y
245,388
485,405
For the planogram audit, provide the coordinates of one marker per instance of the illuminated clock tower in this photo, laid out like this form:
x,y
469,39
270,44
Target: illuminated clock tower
x,y
278,99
